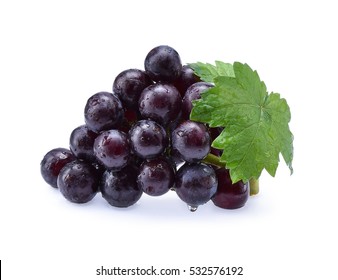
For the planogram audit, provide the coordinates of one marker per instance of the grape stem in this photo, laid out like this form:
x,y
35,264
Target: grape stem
x,y
254,186
216,161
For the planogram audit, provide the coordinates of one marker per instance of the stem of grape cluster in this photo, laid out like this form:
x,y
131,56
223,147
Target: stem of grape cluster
x,y
254,186
213,160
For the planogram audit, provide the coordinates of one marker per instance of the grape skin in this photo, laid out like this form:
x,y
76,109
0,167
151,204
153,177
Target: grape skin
x,y
161,103
103,111
229,195
120,188
156,176
129,84
163,63
148,139
81,143
112,149
195,183
191,141
53,162
78,182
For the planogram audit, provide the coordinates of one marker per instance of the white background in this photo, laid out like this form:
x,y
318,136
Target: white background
x,y
56,54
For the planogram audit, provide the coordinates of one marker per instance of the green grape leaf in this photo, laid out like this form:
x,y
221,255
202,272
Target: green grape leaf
x,y
208,72
256,124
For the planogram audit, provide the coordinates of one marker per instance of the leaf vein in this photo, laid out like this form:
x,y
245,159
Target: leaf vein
x,y
251,143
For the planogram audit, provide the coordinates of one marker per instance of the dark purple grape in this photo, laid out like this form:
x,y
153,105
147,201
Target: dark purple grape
x,y
111,148
81,143
186,79
156,176
191,140
129,84
120,188
161,103
193,93
195,184
78,182
148,139
103,111
53,162
229,195
163,63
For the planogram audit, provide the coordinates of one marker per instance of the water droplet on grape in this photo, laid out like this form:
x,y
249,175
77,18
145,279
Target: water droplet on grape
x,y
180,133
192,208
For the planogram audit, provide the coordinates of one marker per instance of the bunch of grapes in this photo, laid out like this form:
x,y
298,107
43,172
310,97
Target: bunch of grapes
x,y
139,139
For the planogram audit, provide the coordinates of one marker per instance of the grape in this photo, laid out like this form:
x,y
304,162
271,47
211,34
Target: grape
x,y
195,184
185,80
148,139
129,84
81,143
53,162
78,182
112,149
156,176
161,103
193,93
191,141
120,188
103,111
163,63
229,195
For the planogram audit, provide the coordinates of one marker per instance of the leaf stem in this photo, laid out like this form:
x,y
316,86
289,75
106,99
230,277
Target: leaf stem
x,y
254,186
